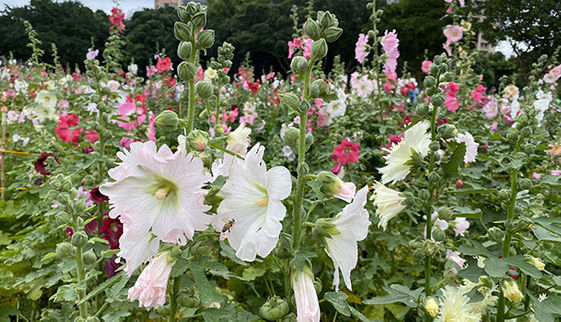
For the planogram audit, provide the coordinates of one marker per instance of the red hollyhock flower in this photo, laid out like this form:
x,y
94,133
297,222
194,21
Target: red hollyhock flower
x,y
253,87
346,152
96,195
92,136
112,230
41,163
64,130
163,64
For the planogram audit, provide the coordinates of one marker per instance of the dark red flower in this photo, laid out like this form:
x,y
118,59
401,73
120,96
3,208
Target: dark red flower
x,y
110,266
96,195
112,230
41,163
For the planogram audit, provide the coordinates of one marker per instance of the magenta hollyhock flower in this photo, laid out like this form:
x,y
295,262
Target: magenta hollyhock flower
x,y
151,132
390,43
360,48
477,95
425,66
346,152
537,176
130,116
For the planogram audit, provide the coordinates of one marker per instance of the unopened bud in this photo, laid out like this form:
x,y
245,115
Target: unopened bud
x,y
311,29
319,49
183,31
274,309
332,33
204,89
198,140
205,39
299,65
187,71
289,101
167,121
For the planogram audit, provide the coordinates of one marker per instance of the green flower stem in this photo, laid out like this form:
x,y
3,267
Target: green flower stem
x,y
81,279
191,105
296,213
173,299
101,165
508,235
428,226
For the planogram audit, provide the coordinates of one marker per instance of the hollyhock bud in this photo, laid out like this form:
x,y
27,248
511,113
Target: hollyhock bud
x,y
511,291
319,49
299,65
187,71
447,131
274,309
204,89
205,39
332,185
183,31
429,81
303,107
311,29
167,121
199,20
318,87
183,14
332,33
198,140
291,137
496,234
89,257
184,50
64,249
431,306
79,238
289,101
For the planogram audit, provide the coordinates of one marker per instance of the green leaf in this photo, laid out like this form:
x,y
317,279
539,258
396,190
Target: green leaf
x,y
397,293
47,256
300,258
467,212
495,267
547,310
543,234
103,286
472,191
520,262
339,302
456,160
359,315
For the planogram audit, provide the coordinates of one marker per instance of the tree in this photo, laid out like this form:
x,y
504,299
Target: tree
x,y
150,31
69,25
531,26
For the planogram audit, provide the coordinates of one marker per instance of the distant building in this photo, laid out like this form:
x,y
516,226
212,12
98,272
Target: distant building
x,y
174,3
482,45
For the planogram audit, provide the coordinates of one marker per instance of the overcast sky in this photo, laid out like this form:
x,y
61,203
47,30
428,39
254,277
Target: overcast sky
x,y
130,6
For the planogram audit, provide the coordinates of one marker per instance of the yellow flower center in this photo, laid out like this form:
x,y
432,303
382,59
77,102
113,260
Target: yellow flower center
x,y
163,191
263,202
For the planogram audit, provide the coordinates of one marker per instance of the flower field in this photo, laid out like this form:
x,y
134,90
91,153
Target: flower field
x,y
203,192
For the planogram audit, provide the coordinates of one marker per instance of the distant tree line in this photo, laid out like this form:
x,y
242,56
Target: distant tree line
x,y
260,27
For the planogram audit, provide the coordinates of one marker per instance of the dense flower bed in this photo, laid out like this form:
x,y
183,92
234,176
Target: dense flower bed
x,y
215,194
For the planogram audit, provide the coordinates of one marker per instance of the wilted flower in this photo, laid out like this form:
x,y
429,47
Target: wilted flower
x,y
307,304
455,257
537,263
150,287
238,140
253,200
431,306
352,226
389,203
511,291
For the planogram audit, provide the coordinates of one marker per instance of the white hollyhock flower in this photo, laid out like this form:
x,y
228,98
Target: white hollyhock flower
x,y
336,108
471,146
159,193
150,287
238,140
253,199
307,304
352,224
455,306
388,202
542,104
46,102
415,138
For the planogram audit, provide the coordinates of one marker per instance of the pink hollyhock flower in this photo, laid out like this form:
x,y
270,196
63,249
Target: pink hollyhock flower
x,y
125,142
446,47
91,54
453,88
555,149
130,116
453,33
307,47
150,70
459,184
116,18
491,109
455,257
537,176
452,103
151,132
425,66
390,44
477,95
163,64
494,126
64,130
92,136
63,104
346,152
150,287
360,48
555,172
